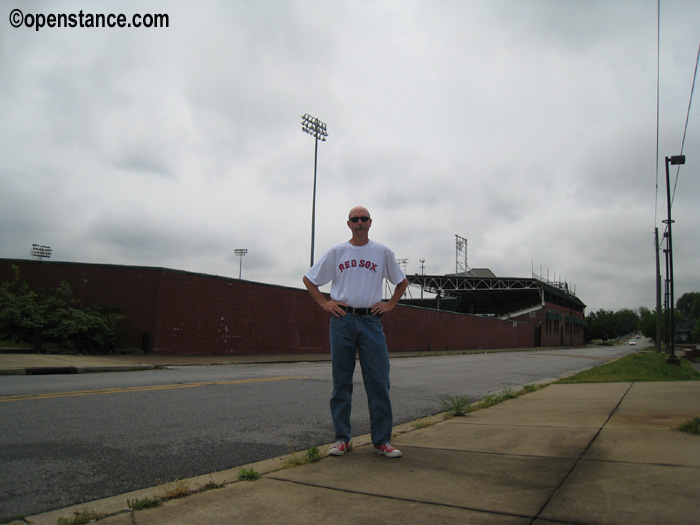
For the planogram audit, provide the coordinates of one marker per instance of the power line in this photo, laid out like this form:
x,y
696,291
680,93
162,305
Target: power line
x,y
658,60
687,117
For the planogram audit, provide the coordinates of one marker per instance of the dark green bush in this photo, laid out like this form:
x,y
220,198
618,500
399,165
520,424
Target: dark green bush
x,y
59,317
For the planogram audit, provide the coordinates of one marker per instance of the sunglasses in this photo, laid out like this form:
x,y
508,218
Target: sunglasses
x,y
363,219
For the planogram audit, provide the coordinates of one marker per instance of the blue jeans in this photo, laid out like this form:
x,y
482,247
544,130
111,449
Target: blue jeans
x,y
363,332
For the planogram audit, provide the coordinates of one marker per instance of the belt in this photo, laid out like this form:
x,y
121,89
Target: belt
x,y
357,311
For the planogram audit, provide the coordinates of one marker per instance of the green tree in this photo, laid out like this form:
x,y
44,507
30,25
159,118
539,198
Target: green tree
x,y
688,308
695,334
689,305
20,309
647,323
626,321
601,325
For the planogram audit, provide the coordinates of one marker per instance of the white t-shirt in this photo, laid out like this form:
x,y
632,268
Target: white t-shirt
x,y
356,272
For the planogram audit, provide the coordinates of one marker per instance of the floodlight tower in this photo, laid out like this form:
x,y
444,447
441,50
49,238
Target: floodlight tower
x,y
240,253
317,130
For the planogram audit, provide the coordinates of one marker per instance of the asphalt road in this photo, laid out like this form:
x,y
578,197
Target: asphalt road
x,y
69,439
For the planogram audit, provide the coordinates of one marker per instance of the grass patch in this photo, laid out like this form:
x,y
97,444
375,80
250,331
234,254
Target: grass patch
x,y
144,503
692,426
643,366
248,474
81,517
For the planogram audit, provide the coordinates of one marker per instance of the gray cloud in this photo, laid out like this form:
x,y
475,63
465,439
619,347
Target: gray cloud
x,y
527,127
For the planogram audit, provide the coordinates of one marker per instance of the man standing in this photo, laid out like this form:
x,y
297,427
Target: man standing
x,y
356,270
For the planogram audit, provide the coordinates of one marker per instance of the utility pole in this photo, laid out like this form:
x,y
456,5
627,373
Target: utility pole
x,y
657,339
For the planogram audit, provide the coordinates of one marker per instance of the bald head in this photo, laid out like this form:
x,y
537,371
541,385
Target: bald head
x,y
359,211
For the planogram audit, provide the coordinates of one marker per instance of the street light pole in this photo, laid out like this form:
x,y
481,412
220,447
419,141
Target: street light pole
x,y
316,129
240,253
672,359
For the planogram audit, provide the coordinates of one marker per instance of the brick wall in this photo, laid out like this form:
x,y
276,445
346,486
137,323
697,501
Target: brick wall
x,y
561,333
189,313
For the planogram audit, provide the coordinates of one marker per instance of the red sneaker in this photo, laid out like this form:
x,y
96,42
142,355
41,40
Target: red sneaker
x,y
388,451
340,448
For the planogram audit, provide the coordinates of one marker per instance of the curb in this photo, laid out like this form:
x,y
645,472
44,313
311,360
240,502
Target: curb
x,y
48,370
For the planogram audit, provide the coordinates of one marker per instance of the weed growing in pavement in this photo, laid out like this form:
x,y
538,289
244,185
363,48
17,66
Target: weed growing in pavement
x,y
145,503
490,400
213,485
177,489
248,474
692,426
293,461
423,423
81,517
456,405
313,454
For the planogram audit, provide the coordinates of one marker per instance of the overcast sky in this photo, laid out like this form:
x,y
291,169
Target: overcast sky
x,y
528,127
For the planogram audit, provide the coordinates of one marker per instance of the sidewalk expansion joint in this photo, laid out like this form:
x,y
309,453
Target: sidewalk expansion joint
x,y
407,500
582,454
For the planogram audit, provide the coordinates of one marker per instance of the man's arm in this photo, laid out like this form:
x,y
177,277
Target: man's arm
x,y
382,308
329,305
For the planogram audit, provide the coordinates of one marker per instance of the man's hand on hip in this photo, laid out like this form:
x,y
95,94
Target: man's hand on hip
x,y
335,308
381,308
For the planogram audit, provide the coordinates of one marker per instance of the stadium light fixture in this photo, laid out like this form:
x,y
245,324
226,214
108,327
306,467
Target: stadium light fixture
x,y
318,131
41,252
240,253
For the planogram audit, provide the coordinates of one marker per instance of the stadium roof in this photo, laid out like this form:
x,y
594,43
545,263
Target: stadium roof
x,y
481,292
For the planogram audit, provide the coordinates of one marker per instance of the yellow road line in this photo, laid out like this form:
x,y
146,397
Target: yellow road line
x,y
56,395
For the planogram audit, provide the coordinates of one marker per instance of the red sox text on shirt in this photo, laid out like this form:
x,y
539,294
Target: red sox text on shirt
x,y
353,264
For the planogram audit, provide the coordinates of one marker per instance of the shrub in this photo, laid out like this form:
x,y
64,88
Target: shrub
x,y
60,317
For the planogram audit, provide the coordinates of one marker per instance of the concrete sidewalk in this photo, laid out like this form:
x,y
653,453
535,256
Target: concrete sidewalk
x,y
583,454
